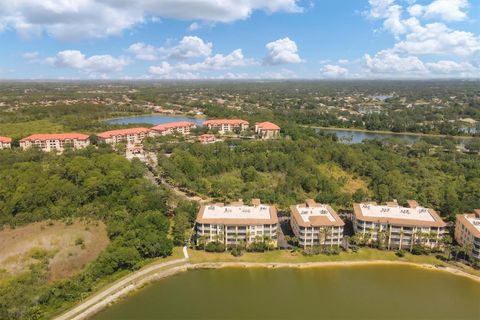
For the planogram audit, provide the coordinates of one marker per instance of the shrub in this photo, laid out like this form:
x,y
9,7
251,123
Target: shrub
x,y
236,252
418,250
400,253
215,247
79,241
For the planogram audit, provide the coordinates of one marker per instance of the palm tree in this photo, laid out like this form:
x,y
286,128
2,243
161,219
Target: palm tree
x,y
322,235
401,239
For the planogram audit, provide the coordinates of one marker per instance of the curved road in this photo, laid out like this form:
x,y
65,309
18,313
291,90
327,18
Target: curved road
x,y
118,289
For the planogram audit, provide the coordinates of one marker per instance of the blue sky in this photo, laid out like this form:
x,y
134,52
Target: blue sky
x,y
209,39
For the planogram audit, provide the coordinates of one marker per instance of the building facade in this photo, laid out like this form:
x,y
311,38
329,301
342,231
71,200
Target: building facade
x,y
5,143
237,223
227,125
129,136
316,224
55,142
207,138
267,130
182,127
398,227
467,233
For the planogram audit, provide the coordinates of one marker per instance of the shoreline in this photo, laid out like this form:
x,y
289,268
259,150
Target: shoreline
x,y
134,285
413,134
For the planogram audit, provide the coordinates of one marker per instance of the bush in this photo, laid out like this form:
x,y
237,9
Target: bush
x,y
257,247
236,252
400,253
215,247
79,241
419,250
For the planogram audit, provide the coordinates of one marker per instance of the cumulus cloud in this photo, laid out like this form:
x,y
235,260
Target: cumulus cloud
x,y
334,71
143,51
194,26
449,67
190,47
448,10
97,64
212,63
282,51
67,19
388,62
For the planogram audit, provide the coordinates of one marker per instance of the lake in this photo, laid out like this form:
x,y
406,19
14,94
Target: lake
x,y
359,292
156,119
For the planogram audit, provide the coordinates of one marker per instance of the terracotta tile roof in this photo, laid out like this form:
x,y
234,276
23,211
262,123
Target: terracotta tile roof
x,y
5,139
272,219
436,221
267,126
122,132
316,220
56,136
173,125
463,219
206,137
225,121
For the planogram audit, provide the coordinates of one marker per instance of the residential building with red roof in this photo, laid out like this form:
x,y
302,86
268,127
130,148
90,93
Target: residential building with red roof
x,y
467,232
55,141
316,224
129,135
5,143
226,125
267,130
181,127
207,138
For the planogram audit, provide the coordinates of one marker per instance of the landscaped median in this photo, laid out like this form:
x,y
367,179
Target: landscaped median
x,y
272,259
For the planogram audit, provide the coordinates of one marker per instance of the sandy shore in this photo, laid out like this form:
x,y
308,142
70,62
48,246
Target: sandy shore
x,y
139,279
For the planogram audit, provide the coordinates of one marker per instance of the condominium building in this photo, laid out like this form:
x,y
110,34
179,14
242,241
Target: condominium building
x,y
316,224
226,125
55,142
237,223
267,130
467,232
399,227
182,127
5,143
207,138
130,135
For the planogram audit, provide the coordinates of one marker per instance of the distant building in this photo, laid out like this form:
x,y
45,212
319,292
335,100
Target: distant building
x,y
237,223
207,138
267,130
226,125
5,143
316,224
400,227
467,232
55,142
129,136
182,127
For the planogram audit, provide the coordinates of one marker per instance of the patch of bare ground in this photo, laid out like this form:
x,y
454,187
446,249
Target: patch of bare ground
x,y
70,246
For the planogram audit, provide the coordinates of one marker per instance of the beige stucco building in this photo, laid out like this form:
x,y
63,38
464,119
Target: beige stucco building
x,y
55,142
467,233
267,130
226,125
182,127
237,223
316,224
399,227
129,136
5,143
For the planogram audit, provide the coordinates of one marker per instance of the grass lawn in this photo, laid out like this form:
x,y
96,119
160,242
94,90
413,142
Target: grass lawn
x,y
22,129
363,254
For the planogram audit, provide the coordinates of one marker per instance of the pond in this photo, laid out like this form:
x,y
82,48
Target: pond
x,y
359,292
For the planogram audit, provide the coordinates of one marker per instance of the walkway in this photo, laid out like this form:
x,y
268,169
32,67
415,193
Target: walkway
x,y
122,287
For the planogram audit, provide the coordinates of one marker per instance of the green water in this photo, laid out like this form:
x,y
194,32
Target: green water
x,y
378,292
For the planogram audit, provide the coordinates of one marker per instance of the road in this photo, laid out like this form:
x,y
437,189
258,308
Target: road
x,y
120,288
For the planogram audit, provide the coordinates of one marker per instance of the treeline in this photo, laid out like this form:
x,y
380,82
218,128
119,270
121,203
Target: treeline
x,y
287,171
92,184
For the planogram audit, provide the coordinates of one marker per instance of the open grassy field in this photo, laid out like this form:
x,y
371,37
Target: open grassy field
x,y
69,247
22,129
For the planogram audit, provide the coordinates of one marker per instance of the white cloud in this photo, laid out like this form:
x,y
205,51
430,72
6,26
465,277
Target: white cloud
x,y
416,10
68,19
334,71
448,10
387,62
31,56
451,67
343,61
94,65
213,63
143,51
190,47
437,38
282,51
194,26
